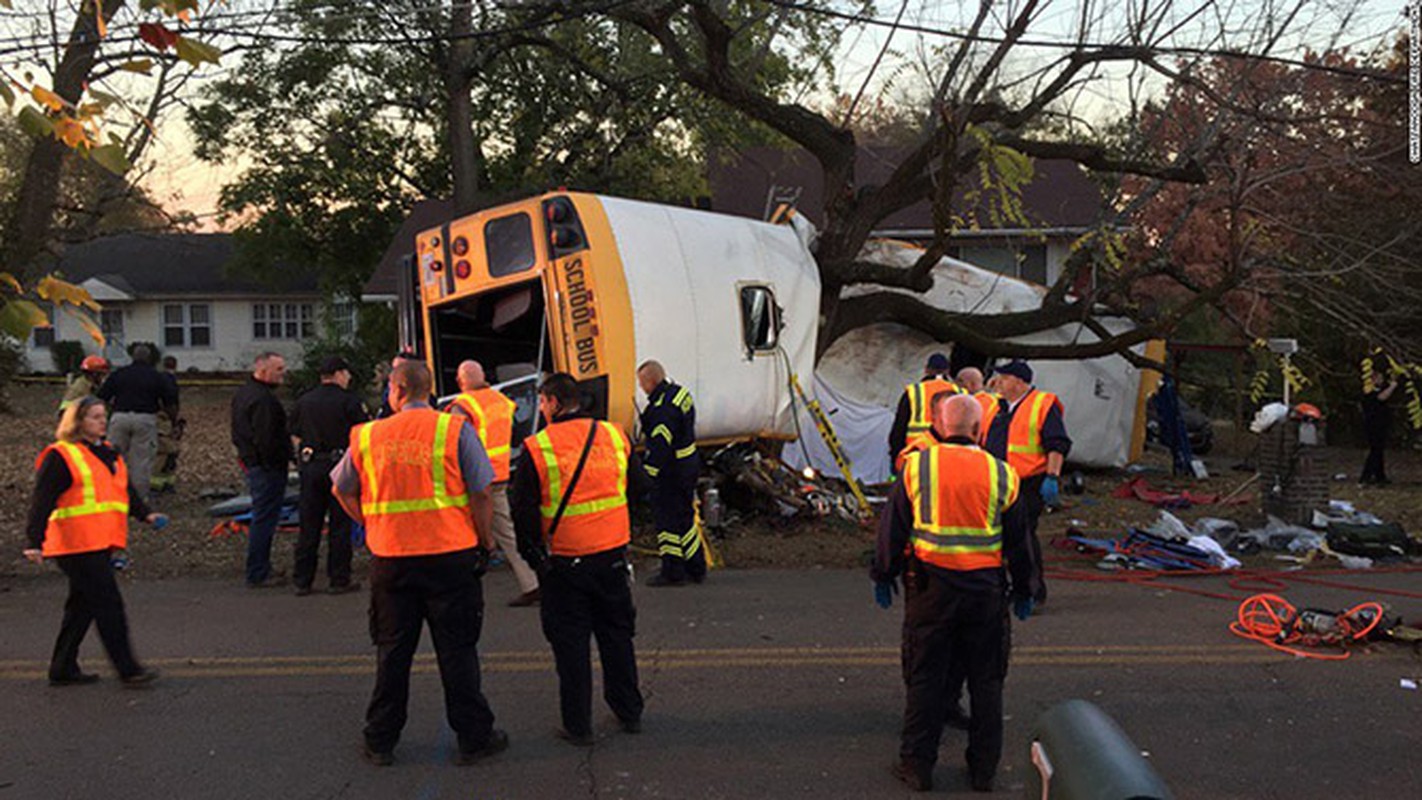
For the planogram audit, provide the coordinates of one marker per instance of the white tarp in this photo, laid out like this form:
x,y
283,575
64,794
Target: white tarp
x,y
685,271
867,369
862,428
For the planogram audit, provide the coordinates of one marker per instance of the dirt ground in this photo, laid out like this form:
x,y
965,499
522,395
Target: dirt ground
x,y
207,463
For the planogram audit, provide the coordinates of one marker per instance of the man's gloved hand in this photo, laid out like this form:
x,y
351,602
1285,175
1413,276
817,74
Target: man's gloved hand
x,y
158,521
884,592
1022,607
1051,491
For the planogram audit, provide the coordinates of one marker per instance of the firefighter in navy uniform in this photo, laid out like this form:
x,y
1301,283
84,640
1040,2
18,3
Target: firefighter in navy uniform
x,y
419,482
570,517
322,420
912,419
669,425
942,532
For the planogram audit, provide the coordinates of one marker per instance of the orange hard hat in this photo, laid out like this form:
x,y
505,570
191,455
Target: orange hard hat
x,y
1308,411
94,364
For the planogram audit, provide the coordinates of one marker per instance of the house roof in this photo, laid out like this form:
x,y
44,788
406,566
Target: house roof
x,y
426,214
159,264
1061,194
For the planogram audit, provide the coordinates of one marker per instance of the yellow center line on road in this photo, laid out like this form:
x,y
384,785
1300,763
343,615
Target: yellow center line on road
x,y
700,658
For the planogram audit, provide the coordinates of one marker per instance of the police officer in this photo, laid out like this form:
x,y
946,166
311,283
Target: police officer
x,y
947,513
492,415
912,416
570,515
669,423
419,482
322,420
1026,427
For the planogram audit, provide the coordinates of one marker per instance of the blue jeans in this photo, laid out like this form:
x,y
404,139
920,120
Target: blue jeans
x,y
268,489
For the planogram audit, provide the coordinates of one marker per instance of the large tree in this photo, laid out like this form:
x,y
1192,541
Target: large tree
x,y
1029,78
362,111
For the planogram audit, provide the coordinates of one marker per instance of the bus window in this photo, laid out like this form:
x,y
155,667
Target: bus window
x,y
508,244
760,319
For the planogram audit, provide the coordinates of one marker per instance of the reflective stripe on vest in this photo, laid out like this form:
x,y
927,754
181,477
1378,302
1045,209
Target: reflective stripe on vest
x,y
596,517
921,396
958,494
1024,434
914,443
413,496
492,415
92,514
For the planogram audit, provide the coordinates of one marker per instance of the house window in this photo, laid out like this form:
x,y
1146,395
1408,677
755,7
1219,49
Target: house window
x,y
283,321
42,336
1028,262
341,319
760,319
187,325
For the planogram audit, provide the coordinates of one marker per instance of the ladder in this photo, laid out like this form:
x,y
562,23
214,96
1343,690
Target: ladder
x,y
822,424
780,201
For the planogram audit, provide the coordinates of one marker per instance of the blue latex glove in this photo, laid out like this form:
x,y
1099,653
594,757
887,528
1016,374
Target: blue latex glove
x,y
884,592
160,521
1022,607
1051,491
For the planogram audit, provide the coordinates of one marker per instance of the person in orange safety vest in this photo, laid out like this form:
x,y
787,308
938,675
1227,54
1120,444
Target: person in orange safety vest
x,y
492,415
943,532
82,501
419,482
571,518
913,415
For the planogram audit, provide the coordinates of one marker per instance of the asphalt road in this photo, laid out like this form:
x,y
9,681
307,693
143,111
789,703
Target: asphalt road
x,y
759,684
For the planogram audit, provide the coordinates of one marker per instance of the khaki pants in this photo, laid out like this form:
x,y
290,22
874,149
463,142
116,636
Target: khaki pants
x,y
504,538
136,437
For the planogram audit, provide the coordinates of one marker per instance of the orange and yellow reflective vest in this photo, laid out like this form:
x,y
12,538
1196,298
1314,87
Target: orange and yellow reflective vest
x,y
912,444
492,415
958,494
595,518
1024,434
920,397
412,491
92,514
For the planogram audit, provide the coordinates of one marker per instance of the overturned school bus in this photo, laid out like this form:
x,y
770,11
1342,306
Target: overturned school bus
x,y
594,286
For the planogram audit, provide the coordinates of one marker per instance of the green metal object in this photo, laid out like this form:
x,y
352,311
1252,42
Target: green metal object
x,y
1079,753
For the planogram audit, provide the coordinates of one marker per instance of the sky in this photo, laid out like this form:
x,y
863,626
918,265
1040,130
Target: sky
x,y
183,183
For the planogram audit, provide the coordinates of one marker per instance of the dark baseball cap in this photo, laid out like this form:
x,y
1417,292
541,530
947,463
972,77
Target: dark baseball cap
x,y
1017,368
333,364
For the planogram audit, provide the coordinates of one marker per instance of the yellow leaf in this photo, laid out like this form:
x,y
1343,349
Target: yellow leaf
x,y
89,325
47,98
10,280
99,19
64,293
19,317
69,131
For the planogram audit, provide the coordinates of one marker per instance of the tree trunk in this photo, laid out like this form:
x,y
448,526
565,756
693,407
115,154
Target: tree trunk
x,y
31,223
465,158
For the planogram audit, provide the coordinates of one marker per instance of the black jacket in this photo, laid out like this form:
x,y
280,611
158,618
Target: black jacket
x,y
139,389
259,427
668,425
53,479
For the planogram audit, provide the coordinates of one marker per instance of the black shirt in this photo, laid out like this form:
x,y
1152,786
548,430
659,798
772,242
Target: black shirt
x,y
896,530
53,480
259,427
323,417
139,389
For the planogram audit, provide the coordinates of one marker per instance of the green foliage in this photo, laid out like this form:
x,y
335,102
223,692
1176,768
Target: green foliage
x,y
66,355
373,345
343,139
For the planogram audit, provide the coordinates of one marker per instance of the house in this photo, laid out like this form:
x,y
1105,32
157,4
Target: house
x,y
180,290
1061,202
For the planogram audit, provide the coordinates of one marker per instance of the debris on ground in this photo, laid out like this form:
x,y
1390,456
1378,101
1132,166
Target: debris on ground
x,y
1140,489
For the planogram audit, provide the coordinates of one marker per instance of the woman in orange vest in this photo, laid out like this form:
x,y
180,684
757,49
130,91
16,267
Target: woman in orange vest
x,y
80,509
